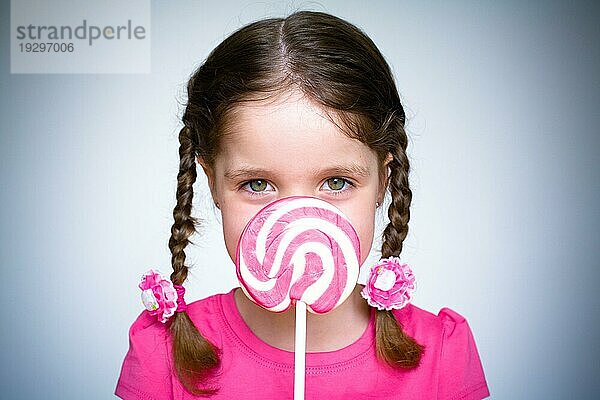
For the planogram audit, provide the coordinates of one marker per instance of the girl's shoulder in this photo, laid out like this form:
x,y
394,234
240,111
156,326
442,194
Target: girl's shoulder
x,y
148,330
148,359
420,321
449,348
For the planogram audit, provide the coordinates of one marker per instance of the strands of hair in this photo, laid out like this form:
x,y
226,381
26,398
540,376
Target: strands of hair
x,y
338,66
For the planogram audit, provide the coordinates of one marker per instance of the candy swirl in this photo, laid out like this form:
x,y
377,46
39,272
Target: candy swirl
x,y
298,248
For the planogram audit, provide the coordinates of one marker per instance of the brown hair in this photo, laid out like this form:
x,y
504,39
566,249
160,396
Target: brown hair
x,y
338,66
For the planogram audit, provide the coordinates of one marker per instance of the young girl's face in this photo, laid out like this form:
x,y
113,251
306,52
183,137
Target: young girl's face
x,y
288,147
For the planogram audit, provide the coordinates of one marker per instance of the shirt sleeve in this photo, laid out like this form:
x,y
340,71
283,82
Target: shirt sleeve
x,y
146,371
461,371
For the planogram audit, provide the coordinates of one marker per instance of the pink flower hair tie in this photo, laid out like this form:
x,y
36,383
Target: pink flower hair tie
x,y
390,284
160,296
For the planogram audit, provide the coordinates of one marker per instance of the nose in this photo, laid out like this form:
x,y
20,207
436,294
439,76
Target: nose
x,y
298,189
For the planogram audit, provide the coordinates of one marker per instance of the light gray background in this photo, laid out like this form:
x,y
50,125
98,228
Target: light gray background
x,y
502,100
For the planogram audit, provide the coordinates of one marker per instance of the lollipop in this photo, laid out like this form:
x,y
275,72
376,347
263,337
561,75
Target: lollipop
x,y
298,250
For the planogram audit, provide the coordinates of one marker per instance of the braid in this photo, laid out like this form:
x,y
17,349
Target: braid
x,y
194,356
399,210
393,345
185,224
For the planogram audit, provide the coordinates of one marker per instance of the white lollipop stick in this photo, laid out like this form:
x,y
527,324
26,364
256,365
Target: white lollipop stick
x,y
300,351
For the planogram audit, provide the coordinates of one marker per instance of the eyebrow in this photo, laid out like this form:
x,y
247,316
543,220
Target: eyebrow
x,y
246,172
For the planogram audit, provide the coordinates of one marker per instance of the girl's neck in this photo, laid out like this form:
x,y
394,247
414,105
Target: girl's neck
x,y
332,331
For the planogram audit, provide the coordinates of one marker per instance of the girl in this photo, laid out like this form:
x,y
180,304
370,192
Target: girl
x,y
304,105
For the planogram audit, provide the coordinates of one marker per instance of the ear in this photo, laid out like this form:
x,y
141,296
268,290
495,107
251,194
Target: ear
x,y
210,175
384,178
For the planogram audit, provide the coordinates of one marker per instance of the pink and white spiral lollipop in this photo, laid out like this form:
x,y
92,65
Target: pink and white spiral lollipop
x,y
298,248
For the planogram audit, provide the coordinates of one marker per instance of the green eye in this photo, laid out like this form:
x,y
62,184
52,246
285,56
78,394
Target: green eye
x,y
336,183
258,185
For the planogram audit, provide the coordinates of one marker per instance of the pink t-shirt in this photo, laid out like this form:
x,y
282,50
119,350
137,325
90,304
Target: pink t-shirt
x,y
251,369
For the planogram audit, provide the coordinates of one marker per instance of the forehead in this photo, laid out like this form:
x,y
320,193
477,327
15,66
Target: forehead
x,y
291,134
